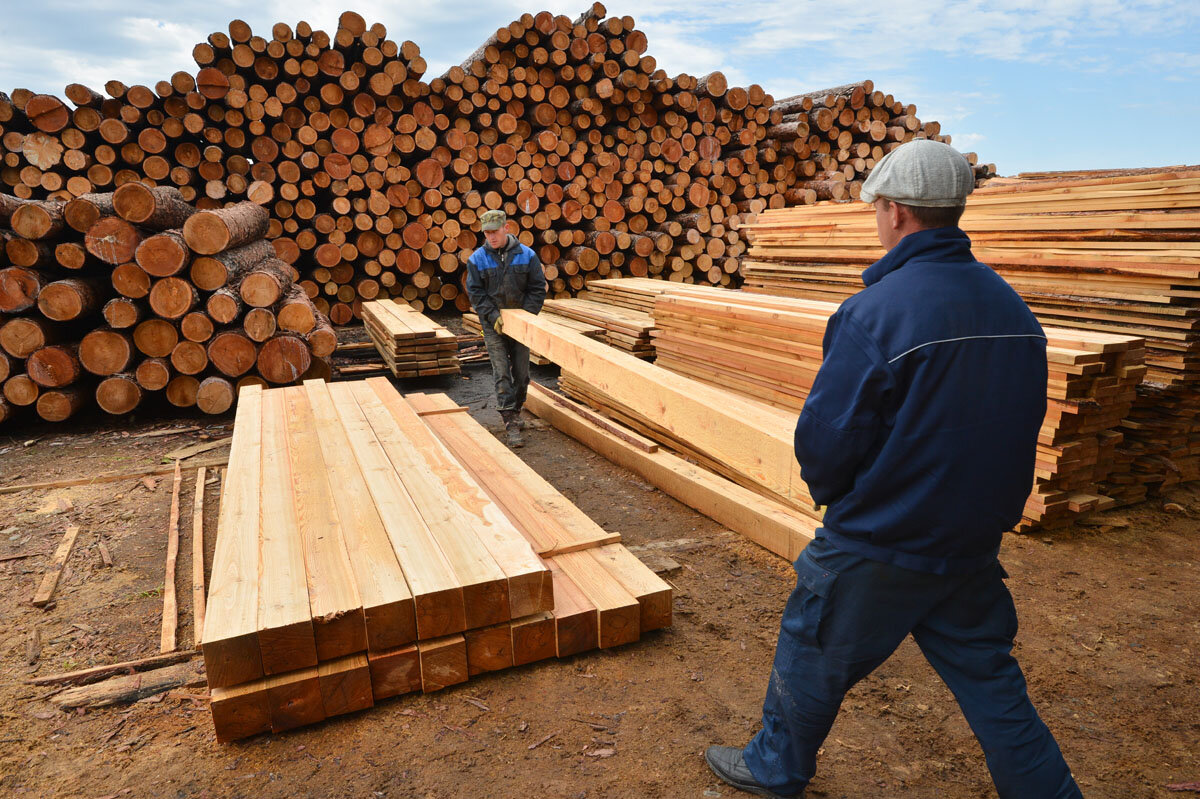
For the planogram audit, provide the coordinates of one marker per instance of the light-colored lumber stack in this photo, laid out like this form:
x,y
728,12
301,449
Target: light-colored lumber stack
x,y
412,344
1116,254
623,328
116,298
374,177
371,545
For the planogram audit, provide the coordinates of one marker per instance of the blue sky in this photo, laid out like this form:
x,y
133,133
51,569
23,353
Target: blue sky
x,y
1028,84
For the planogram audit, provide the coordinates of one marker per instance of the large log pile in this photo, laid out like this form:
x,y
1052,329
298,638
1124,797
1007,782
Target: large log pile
x,y
1110,253
373,178
117,297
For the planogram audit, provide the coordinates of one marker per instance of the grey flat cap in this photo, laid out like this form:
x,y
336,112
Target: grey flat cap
x,y
921,172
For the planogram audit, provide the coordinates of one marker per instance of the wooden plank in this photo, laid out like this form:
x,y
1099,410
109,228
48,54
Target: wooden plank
x,y
339,624
170,614
654,594
230,642
483,582
533,638
395,671
443,662
753,439
489,648
95,673
620,614
386,599
294,699
50,578
770,524
345,685
437,595
198,558
576,620
285,628
549,521
240,711
529,587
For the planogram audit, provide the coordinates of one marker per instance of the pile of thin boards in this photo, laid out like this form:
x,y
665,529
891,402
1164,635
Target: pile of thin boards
x,y
624,328
371,544
411,344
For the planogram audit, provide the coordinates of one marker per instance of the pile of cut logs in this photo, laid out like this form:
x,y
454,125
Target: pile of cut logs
x,y
115,297
374,178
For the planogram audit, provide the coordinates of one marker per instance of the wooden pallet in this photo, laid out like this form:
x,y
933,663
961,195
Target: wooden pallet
x,y
370,545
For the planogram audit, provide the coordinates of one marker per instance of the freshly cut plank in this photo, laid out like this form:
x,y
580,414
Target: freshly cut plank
x,y
50,579
443,662
620,613
345,685
230,643
285,626
395,671
294,699
437,594
484,584
652,592
240,711
386,599
338,621
533,638
576,619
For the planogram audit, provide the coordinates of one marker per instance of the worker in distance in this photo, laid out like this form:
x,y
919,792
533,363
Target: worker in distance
x,y
504,273
919,436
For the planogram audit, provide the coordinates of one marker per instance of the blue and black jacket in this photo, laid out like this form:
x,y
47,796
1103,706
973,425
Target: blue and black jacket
x,y
508,278
921,429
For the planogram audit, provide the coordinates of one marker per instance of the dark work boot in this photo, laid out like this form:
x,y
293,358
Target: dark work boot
x,y
728,764
512,428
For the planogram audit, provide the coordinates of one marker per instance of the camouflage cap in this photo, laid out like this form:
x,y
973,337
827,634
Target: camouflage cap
x,y
492,220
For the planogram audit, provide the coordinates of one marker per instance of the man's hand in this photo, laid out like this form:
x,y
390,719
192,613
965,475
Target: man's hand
x,y
498,326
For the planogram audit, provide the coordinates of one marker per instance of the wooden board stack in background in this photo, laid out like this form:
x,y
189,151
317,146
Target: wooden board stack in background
x,y
370,546
624,329
1116,254
412,344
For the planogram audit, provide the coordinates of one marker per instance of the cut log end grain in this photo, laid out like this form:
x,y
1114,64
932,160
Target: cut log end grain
x,y
37,220
121,313
284,359
106,352
155,337
113,240
58,405
215,395
119,394
69,299
22,336
172,297
210,232
232,353
163,254
19,289
54,366
153,374
21,390
181,391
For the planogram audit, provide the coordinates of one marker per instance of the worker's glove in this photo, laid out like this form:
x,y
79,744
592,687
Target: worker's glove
x,y
498,326
820,509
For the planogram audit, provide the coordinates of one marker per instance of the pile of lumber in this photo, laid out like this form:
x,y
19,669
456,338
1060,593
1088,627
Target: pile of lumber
x,y
471,322
623,328
374,177
370,545
412,344
769,349
1115,254
118,297
634,293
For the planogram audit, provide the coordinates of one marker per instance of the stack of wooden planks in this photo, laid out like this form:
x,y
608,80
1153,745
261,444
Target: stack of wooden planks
x,y
1115,254
412,344
371,545
625,329
116,299
374,173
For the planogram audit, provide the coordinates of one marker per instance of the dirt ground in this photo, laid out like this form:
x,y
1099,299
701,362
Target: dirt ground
x,y
1110,643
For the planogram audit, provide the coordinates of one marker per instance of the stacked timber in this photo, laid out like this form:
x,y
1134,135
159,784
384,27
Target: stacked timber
x,y
371,545
116,298
374,178
1116,254
412,344
471,322
625,329
769,349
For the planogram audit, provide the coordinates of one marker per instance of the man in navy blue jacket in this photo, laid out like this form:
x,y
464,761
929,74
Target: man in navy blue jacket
x,y
919,435
504,273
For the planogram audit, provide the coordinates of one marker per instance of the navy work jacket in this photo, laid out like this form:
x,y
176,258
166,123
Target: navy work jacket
x,y
507,278
920,431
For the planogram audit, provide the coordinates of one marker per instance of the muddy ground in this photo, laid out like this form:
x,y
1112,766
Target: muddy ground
x,y
1110,642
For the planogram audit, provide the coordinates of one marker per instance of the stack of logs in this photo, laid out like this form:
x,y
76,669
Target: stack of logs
x,y
374,178
114,297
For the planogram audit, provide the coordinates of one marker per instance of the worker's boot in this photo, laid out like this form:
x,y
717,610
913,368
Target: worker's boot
x,y
512,428
728,763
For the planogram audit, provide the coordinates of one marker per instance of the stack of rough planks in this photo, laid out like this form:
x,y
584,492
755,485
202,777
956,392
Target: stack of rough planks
x,y
1116,254
769,349
412,344
624,329
116,298
375,173
371,544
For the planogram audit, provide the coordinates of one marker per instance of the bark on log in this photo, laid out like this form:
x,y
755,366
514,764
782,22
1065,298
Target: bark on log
x,y
211,272
210,232
264,285
87,209
157,208
224,306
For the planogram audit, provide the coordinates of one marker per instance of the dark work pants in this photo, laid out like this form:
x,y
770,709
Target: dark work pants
x,y
510,369
846,617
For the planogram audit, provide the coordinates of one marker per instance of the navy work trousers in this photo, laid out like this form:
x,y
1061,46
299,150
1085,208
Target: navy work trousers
x,y
846,617
510,369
